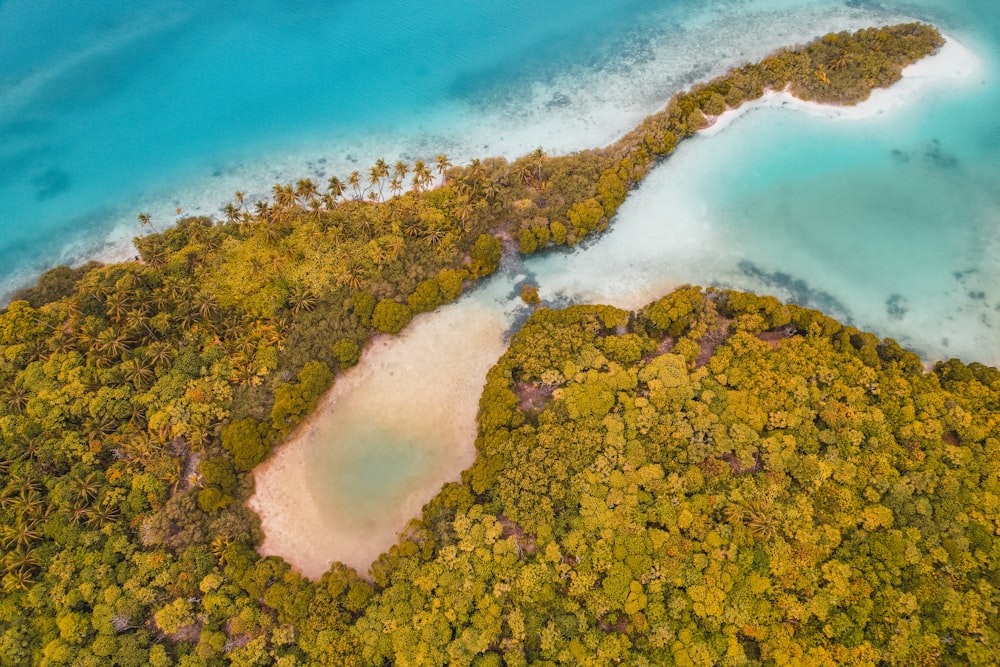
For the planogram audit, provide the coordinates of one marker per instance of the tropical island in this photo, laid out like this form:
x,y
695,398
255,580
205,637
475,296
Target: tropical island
x,y
717,478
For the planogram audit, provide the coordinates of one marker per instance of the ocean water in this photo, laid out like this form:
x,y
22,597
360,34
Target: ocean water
x,y
891,223
108,109
114,108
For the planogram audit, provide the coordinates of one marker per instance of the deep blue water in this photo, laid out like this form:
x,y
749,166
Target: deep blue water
x,y
108,109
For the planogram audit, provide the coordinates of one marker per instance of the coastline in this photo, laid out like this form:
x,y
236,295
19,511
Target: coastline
x,y
582,108
676,214
953,62
306,528
511,138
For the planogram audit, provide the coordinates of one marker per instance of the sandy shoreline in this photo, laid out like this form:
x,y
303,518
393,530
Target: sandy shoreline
x,y
953,62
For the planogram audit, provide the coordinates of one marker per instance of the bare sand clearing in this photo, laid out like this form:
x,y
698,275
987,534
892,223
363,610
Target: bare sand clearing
x,y
313,494
954,61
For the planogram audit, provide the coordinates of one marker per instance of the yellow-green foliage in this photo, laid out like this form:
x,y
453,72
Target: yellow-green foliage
x,y
840,68
664,513
390,316
652,488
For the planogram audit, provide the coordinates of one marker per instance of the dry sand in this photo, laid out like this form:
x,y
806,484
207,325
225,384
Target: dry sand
x,y
425,383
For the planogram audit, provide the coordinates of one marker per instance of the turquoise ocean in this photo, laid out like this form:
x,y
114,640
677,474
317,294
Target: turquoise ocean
x,y
114,108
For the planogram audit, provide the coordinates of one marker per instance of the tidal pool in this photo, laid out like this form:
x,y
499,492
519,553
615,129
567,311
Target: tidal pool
x,y
382,442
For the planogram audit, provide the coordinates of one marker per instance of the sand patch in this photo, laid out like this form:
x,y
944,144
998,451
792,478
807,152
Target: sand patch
x,y
381,444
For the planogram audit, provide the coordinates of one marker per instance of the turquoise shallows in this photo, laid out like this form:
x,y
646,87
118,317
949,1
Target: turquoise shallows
x,y
108,109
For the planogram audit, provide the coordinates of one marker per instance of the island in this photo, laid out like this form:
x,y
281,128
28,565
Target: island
x,y
716,478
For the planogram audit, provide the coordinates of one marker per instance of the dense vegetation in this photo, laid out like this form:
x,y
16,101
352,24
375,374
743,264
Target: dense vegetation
x,y
716,479
137,396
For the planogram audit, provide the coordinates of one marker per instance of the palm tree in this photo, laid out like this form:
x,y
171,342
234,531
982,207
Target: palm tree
x,y
138,371
271,233
539,157
161,354
209,307
374,179
354,180
521,172
395,186
301,298
20,578
382,168
263,211
305,189
38,350
433,235
103,514
348,274
22,533
154,253
284,195
20,565
421,175
231,212
87,486
137,321
492,191
116,306
412,226
442,166
15,396
244,371
379,171
29,503
99,429
400,170
395,245
335,188
110,345
464,209
146,220
8,496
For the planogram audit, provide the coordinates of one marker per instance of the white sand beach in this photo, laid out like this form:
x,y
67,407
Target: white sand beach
x,y
954,62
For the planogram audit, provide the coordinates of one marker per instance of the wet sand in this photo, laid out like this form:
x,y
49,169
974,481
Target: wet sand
x,y
342,487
